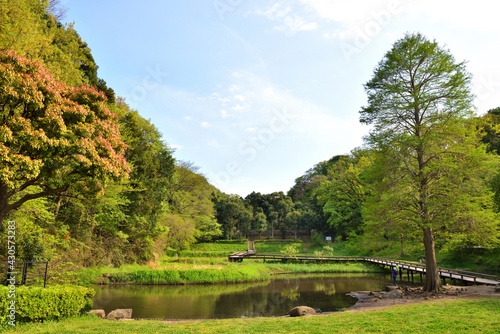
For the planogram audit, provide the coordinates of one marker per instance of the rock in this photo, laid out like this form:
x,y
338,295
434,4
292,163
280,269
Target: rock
x,y
301,310
390,288
393,294
119,314
497,288
100,313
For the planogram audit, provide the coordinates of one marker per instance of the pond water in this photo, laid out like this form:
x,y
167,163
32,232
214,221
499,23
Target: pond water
x,y
271,298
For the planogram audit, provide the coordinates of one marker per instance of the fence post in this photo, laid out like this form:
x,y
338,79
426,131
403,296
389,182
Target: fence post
x,y
45,278
25,273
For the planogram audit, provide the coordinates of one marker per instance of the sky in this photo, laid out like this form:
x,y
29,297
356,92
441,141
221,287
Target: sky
x,y
257,92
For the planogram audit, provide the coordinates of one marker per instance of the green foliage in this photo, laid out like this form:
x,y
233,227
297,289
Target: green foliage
x,y
429,169
317,239
275,246
290,251
191,214
328,251
76,145
231,274
233,216
342,195
38,304
221,245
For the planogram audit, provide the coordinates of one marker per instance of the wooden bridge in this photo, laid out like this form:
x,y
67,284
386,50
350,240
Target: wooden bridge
x,y
410,267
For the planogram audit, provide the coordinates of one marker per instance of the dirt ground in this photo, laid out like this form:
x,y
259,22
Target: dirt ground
x,y
370,301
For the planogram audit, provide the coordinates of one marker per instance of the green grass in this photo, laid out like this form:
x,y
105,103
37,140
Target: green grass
x,y
343,267
450,316
228,246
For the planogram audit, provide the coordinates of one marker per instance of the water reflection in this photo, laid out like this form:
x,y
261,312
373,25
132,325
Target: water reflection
x,y
271,298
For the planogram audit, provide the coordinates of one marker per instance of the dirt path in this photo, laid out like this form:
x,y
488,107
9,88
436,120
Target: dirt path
x,y
368,301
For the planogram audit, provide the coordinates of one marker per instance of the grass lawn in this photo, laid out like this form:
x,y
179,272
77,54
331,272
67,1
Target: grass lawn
x,y
449,316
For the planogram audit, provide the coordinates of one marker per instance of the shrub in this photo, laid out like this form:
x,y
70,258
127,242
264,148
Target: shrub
x,y
35,304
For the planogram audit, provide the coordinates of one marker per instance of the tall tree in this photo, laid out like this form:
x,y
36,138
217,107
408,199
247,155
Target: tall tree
x,y
52,136
233,215
428,162
343,194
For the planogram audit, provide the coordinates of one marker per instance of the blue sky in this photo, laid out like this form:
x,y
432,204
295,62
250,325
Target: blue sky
x,y
256,92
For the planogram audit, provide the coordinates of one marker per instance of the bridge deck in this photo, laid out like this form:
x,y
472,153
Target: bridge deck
x,y
462,275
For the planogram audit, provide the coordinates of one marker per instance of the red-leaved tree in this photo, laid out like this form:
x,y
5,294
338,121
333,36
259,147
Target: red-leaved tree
x,y
52,136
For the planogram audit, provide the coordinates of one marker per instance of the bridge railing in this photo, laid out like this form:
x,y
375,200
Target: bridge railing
x,y
462,273
415,266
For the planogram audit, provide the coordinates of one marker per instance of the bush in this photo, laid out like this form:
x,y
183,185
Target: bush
x,y
35,304
317,239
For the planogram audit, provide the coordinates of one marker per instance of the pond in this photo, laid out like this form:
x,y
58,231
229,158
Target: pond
x,y
270,298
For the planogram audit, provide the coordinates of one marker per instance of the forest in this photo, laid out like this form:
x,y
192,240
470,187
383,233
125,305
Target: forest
x,y
91,182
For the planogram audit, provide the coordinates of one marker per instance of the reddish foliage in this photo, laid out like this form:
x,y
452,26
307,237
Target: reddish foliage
x,y
53,135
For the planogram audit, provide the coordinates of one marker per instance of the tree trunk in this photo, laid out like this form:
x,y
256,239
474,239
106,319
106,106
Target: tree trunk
x,y
4,201
432,280
402,245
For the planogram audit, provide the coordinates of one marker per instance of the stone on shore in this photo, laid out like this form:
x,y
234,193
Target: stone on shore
x,y
393,294
120,314
301,310
100,313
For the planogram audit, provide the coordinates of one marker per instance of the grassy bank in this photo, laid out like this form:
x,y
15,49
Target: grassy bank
x,y
451,316
208,263
200,273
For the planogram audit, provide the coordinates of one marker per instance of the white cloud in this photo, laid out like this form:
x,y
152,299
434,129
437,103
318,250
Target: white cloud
x,y
286,19
238,107
274,11
353,16
345,11
234,88
477,15
289,116
296,24
175,147
205,124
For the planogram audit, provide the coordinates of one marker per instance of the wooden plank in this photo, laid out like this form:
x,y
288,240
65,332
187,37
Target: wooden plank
x,y
417,267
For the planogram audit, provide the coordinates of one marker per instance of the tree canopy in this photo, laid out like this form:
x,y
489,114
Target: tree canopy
x,y
52,136
429,166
